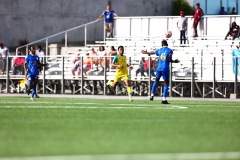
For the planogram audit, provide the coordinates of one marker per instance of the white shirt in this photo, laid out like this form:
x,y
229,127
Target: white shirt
x,y
101,54
3,52
39,54
182,23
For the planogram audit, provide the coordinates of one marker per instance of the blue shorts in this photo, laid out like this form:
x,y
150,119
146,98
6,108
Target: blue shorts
x,y
164,74
32,78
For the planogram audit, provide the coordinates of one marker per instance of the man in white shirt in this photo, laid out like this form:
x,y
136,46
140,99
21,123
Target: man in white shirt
x,y
39,51
4,54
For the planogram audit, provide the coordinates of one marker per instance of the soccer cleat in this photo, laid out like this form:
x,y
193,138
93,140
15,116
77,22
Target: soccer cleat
x,y
151,98
165,102
109,83
36,96
28,91
32,99
130,99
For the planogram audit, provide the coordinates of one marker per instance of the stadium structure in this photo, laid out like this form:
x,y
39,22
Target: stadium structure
x,y
208,66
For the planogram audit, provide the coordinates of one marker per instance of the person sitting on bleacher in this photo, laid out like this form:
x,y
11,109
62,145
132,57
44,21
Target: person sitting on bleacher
x,y
94,56
76,65
18,64
146,66
87,64
141,67
111,53
101,54
234,31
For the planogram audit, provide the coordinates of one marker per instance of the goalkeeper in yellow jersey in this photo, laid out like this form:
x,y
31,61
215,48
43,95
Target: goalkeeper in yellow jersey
x,y
121,65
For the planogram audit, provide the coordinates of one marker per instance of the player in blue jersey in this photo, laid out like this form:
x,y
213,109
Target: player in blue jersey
x,y
109,17
31,66
164,59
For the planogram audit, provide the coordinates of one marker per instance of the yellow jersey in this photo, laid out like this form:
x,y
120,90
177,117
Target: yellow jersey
x,y
121,60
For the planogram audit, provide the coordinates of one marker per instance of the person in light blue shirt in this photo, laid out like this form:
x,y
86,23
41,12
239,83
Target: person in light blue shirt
x,y
164,59
31,66
109,18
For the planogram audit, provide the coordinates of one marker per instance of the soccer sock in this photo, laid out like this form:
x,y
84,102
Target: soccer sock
x,y
129,90
155,84
165,91
33,91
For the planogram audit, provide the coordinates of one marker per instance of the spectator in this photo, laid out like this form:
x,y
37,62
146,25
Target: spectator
x,y
182,26
76,65
109,17
112,52
18,64
87,64
39,51
233,11
141,67
234,31
198,13
94,56
222,11
101,55
146,66
4,53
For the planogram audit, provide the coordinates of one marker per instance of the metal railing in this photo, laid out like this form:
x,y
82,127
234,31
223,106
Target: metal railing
x,y
46,39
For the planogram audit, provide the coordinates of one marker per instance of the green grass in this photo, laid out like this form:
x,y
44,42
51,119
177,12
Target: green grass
x,y
46,127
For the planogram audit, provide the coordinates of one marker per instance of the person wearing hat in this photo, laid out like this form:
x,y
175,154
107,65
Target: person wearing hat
x,y
182,26
198,13
164,59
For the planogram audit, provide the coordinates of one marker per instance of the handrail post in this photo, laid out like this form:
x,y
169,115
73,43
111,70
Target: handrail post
x,y
63,81
236,78
66,42
7,74
170,81
85,38
214,77
104,31
192,79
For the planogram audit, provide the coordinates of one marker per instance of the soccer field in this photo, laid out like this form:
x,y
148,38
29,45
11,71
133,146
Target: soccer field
x,y
114,129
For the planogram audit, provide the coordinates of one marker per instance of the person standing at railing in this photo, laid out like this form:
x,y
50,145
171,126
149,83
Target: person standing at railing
x,y
182,26
198,13
165,58
4,54
109,18
31,66
40,54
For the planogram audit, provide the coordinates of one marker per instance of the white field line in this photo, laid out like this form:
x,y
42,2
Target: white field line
x,y
91,107
96,105
157,156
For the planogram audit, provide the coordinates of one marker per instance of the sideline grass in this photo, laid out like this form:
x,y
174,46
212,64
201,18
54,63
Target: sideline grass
x,y
54,126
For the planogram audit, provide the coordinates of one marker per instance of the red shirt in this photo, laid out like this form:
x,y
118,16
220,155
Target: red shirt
x,y
146,64
198,13
19,61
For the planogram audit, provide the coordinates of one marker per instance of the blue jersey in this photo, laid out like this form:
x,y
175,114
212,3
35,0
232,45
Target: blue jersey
x,y
163,58
108,16
33,64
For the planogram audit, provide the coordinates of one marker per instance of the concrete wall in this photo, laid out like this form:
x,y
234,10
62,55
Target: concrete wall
x,y
36,19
